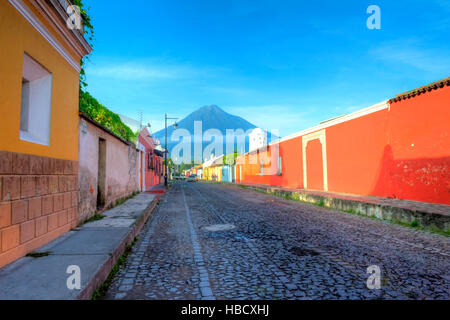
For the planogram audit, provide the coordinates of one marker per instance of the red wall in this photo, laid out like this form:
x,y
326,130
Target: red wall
x,y
400,152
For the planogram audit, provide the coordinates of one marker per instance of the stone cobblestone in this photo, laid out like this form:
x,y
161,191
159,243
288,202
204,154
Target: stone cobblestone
x,y
278,249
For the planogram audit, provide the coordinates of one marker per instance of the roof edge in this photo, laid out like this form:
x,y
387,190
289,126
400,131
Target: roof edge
x,y
422,90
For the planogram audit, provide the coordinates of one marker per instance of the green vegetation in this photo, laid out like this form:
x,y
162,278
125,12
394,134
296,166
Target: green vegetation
x,y
320,203
98,216
87,22
38,254
122,200
101,291
95,217
105,117
185,166
88,35
230,158
415,224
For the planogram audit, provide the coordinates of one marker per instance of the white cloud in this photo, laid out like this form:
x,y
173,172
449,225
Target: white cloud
x,y
151,71
407,53
130,72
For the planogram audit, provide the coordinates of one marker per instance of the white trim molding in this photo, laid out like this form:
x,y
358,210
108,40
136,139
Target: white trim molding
x,y
357,114
323,141
37,24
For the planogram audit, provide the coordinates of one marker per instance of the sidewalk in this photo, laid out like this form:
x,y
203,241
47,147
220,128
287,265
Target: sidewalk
x,y
427,214
95,247
157,189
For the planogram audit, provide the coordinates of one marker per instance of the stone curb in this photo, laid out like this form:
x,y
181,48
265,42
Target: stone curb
x,y
365,208
102,273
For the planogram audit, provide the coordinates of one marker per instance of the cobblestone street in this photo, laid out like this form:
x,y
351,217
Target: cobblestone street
x,y
211,241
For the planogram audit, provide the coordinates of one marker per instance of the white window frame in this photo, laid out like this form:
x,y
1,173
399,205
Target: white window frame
x,y
36,100
279,166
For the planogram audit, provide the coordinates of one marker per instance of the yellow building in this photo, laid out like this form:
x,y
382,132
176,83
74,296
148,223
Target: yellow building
x,y
212,169
40,56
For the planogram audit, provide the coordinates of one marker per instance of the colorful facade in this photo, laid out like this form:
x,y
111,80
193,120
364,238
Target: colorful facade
x,y
151,162
398,149
39,87
212,169
228,173
197,170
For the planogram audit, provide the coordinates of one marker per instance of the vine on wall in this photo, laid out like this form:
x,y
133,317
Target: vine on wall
x,y
102,115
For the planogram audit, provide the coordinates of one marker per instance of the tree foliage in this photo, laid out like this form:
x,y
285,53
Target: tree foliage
x,y
102,115
230,158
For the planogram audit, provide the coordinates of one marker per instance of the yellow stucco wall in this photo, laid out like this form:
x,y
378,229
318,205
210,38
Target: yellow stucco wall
x,y
209,172
18,36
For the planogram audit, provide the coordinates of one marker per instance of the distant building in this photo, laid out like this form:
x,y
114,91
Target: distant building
x,y
212,168
151,161
257,138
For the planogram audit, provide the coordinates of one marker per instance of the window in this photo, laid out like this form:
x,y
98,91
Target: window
x,y
261,166
35,104
279,167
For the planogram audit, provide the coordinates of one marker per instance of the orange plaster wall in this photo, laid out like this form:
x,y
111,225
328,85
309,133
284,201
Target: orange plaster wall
x,y
401,152
354,153
416,159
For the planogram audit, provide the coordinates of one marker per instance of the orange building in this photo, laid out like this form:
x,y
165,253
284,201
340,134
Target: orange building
x,y
398,148
39,88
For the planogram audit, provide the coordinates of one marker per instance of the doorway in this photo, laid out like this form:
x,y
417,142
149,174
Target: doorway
x,y
314,152
314,159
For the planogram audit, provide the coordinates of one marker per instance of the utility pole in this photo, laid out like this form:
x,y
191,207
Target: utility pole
x,y
175,126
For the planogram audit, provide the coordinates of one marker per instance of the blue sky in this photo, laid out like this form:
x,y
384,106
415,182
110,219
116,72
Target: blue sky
x,y
283,65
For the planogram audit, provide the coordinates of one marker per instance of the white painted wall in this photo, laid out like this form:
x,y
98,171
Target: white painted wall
x,y
257,139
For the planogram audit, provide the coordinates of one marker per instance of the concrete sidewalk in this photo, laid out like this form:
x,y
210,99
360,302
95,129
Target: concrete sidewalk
x,y
94,247
427,214
157,189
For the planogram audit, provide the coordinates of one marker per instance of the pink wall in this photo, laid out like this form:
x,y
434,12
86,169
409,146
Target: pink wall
x,y
121,168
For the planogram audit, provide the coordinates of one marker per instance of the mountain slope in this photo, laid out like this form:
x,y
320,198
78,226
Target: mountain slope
x,y
212,117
